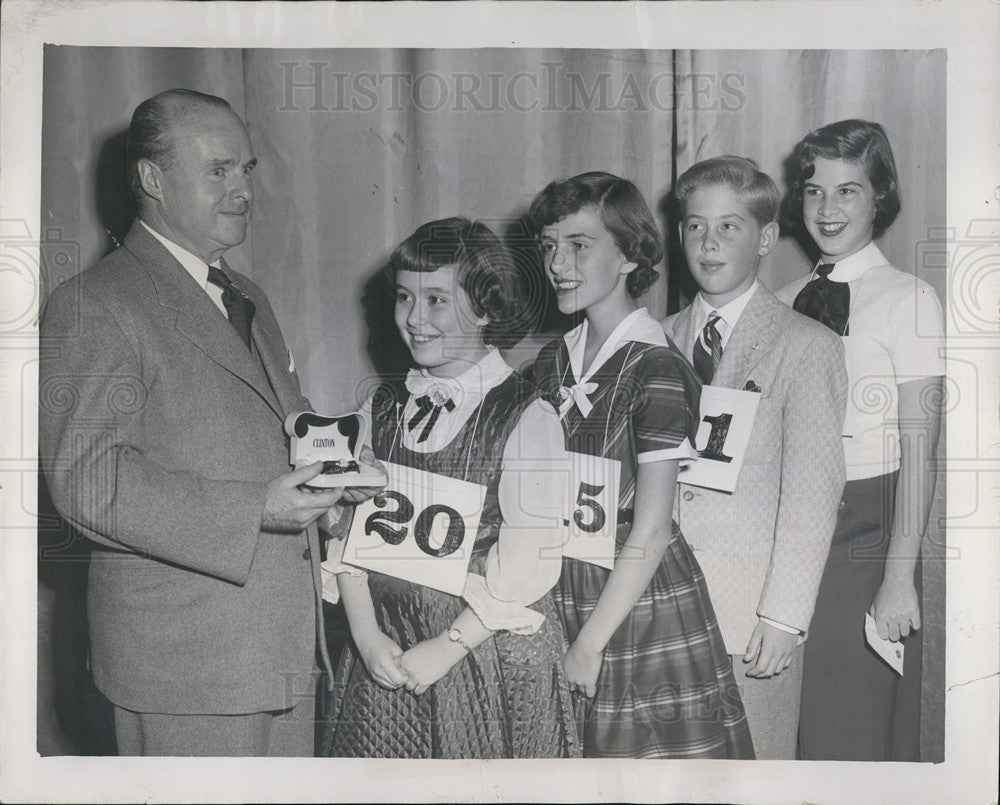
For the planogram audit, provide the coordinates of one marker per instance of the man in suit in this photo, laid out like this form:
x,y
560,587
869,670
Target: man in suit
x,y
763,547
164,383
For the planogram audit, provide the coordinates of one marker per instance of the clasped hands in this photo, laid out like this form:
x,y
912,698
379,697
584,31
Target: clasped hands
x,y
416,669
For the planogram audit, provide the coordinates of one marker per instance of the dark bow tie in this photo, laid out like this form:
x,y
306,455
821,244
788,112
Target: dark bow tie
x,y
425,407
826,301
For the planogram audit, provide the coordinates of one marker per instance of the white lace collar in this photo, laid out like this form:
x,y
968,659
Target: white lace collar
x,y
490,371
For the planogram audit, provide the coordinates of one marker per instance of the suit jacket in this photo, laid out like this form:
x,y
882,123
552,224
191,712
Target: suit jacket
x,y
763,547
158,431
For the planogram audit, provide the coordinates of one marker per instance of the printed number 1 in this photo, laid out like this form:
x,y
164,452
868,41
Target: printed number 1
x,y
717,438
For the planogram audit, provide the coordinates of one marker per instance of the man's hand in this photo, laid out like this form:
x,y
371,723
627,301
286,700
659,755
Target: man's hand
x,y
290,509
380,654
359,494
430,660
770,650
896,609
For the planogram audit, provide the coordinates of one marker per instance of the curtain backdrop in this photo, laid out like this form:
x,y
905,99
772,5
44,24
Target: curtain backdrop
x,y
358,147
792,92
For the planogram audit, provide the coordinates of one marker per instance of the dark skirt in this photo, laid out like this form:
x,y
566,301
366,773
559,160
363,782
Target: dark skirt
x,y
854,707
507,698
666,687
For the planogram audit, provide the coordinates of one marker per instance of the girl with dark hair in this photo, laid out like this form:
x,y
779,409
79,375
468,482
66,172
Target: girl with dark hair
x,y
844,191
429,674
646,655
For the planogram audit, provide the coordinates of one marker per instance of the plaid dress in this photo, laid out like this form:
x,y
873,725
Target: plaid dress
x,y
666,688
509,696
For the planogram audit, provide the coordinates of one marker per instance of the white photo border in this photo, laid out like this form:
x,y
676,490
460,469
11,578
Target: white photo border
x,y
968,30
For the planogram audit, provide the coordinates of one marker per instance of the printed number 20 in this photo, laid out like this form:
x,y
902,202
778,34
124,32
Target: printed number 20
x,y
378,523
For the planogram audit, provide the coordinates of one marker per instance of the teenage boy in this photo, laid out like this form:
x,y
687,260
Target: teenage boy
x,y
762,547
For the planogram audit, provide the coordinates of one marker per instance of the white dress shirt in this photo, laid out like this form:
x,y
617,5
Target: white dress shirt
x,y
194,265
728,314
895,334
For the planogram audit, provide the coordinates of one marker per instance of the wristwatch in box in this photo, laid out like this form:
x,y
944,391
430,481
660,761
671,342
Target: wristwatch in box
x,y
337,442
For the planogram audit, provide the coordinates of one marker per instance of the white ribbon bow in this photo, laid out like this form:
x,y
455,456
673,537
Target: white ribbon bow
x,y
576,394
439,389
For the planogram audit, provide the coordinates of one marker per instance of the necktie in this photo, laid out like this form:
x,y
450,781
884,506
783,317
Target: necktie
x,y
425,407
238,306
707,356
826,301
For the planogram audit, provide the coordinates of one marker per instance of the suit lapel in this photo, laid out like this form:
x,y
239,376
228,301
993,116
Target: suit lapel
x,y
197,318
273,357
684,335
749,342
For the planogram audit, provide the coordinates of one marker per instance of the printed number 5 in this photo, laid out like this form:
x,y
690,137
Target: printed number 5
x,y
583,500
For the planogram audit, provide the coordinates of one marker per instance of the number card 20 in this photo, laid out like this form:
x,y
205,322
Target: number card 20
x,y
420,528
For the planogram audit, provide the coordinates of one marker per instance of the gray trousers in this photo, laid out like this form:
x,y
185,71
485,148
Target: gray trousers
x,y
772,707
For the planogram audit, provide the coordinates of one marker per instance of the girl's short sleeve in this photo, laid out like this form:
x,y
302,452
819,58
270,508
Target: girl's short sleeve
x,y
665,411
916,345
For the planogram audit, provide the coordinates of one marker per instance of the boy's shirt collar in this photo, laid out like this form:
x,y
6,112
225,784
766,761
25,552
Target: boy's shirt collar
x,y
853,267
730,312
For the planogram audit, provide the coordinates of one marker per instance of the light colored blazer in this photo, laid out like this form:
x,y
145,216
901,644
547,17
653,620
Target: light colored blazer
x,y
158,431
763,547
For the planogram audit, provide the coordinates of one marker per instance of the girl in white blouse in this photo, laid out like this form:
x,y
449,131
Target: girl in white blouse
x,y
844,193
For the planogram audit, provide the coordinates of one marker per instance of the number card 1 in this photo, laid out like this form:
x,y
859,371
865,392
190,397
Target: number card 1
x,y
593,519
420,528
727,417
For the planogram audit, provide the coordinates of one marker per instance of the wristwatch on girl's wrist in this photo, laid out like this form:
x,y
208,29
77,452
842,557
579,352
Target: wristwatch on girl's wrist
x,y
455,636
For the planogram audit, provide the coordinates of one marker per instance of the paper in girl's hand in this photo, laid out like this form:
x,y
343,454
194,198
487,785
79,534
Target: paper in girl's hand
x,y
890,652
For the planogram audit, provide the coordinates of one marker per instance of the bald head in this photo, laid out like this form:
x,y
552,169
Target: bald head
x,y
149,134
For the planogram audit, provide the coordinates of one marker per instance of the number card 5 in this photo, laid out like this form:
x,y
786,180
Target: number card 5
x,y
420,528
593,517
